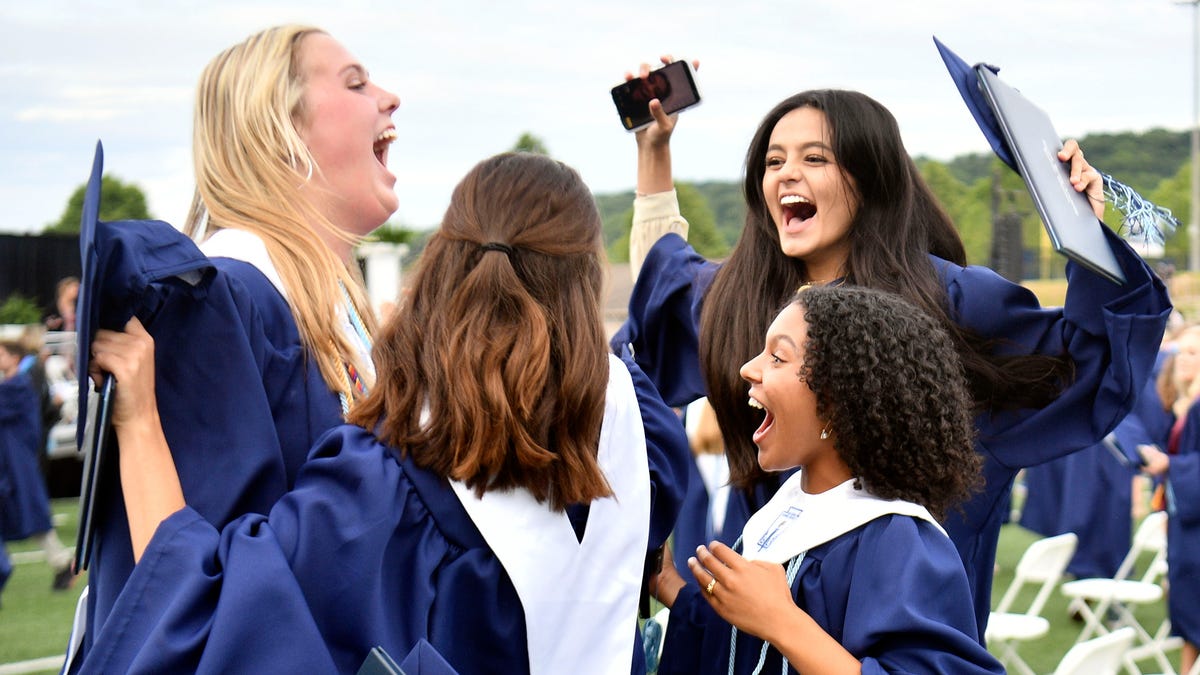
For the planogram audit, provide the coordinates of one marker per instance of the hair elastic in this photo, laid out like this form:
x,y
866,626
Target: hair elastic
x,y
497,246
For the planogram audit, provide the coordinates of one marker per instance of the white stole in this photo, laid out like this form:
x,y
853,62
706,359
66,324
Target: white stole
x,y
249,248
794,521
580,597
245,246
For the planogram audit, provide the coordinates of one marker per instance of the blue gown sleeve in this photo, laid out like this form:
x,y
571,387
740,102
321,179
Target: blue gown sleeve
x,y
667,451
895,620
265,595
662,329
1111,332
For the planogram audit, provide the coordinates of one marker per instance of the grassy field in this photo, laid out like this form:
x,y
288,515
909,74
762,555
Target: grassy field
x,y
35,621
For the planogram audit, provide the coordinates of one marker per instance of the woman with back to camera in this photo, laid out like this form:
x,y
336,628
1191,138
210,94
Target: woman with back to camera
x,y
836,573
496,494
833,197
290,144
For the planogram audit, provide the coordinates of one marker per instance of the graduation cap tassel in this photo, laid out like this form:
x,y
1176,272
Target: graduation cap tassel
x,y
1143,221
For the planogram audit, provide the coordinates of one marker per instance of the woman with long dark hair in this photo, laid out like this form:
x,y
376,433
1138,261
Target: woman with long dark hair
x,y
833,198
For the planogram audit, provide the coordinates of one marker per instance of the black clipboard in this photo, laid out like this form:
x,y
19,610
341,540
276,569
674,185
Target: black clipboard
x,y
1073,228
99,443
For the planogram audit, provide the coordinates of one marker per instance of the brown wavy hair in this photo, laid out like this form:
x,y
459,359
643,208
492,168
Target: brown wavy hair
x,y
896,227
888,381
494,368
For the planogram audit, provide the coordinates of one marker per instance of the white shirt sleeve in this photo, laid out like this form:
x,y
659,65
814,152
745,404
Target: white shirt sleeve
x,y
654,215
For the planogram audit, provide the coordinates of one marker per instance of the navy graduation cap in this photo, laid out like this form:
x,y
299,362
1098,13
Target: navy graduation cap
x,y
92,265
1141,221
968,86
126,269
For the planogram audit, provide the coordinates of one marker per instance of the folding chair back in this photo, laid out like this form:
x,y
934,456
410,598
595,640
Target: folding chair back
x,y
1112,598
1098,656
1151,536
1042,563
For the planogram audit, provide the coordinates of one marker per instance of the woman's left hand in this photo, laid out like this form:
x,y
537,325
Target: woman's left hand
x,y
750,594
1084,178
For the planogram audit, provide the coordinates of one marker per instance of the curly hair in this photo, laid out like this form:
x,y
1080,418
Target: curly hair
x,y
889,381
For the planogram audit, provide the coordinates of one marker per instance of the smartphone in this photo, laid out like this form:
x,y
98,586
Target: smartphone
x,y
674,85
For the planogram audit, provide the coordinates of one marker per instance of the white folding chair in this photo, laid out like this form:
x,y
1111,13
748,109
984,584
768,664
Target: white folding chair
x,y
1099,656
1095,599
1043,564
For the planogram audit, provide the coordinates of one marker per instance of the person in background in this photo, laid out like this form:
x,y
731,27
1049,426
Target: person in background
x,y
290,144
66,296
833,197
24,503
1178,467
496,494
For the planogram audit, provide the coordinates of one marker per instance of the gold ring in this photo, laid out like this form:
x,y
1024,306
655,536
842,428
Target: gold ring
x,y
711,586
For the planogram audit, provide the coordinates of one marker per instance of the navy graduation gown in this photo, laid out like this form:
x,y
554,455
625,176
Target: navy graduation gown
x,y
24,502
365,551
1090,493
1111,332
892,592
240,403
1183,532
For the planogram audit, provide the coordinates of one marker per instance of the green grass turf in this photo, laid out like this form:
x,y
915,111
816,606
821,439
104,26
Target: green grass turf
x,y
35,621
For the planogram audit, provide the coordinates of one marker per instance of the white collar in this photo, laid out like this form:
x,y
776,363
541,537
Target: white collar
x,y
794,521
246,246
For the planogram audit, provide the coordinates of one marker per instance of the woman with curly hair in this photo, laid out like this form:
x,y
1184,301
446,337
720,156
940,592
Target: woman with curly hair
x,y
846,567
832,195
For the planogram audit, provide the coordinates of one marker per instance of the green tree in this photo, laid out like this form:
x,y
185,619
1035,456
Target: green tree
x,y
530,143
702,229
118,201
963,204
393,234
1174,193
19,309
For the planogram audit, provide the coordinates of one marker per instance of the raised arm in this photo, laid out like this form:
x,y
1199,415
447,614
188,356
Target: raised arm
x,y
655,209
148,477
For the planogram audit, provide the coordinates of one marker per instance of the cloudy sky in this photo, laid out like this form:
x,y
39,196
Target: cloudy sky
x,y
473,75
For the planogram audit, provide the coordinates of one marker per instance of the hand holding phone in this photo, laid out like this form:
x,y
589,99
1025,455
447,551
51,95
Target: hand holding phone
x,y
674,85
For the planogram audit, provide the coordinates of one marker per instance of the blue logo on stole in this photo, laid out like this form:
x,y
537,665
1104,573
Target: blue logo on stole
x,y
781,521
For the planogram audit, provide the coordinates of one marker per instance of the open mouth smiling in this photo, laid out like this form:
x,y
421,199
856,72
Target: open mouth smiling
x,y
797,208
382,141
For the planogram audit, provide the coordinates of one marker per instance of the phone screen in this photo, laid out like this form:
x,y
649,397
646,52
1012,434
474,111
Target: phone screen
x,y
674,85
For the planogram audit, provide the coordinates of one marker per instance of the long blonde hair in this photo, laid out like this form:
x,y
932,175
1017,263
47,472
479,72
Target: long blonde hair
x,y
252,169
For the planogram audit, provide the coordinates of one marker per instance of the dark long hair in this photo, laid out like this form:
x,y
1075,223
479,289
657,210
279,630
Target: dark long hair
x,y
502,346
897,224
